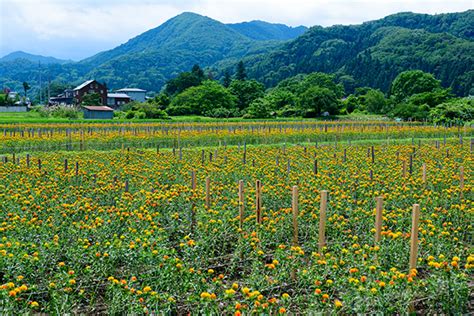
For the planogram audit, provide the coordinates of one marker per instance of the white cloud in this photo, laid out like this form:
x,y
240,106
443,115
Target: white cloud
x,y
78,28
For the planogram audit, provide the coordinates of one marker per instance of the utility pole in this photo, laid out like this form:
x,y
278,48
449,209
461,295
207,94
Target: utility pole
x,y
41,84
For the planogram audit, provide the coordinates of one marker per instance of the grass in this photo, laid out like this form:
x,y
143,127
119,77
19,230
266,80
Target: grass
x,y
34,117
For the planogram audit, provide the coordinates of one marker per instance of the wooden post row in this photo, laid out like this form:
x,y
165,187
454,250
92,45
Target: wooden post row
x,y
322,220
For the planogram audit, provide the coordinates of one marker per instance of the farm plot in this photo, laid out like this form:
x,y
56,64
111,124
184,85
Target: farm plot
x,y
239,229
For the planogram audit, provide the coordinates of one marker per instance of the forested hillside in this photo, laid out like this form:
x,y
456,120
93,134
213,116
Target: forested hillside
x,y
374,53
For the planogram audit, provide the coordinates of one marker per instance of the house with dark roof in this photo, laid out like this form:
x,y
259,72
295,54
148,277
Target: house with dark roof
x,y
135,94
89,87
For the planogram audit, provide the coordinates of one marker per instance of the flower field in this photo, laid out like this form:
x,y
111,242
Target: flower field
x,y
31,137
139,230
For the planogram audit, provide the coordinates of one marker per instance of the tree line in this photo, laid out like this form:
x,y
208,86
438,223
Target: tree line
x,y
413,95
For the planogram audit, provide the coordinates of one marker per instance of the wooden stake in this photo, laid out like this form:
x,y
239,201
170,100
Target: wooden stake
x,y
322,220
424,173
241,203
461,178
404,169
65,165
208,189
258,201
193,180
126,185
378,219
414,236
294,206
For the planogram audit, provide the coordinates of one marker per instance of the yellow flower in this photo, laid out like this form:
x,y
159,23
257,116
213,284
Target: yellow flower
x,y
146,289
337,303
230,292
34,304
285,295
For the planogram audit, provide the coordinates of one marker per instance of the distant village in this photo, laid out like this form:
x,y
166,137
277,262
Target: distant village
x,y
109,101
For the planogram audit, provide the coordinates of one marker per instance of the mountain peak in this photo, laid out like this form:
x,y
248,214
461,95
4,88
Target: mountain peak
x,y
33,58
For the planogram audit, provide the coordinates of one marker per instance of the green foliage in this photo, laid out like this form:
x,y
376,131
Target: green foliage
x,y
413,82
458,111
3,99
410,111
375,101
350,104
432,98
185,80
202,99
150,110
316,100
91,99
260,108
281,98
60,112
246,91
161,101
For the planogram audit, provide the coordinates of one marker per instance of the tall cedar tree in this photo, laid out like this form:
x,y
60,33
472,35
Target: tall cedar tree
x,y
240,73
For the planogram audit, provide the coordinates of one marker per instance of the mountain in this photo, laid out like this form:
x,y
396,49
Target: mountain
x,y
159,54
261,31
373,53
33,58
150,59
369,54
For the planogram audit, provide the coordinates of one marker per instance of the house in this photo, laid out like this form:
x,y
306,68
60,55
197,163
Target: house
x,y
98,112
134,94
89,87
65,98
117,99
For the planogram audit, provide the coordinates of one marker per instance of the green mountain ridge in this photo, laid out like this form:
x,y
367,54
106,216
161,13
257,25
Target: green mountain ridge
x,y
368,54
33,58
373,53
261,30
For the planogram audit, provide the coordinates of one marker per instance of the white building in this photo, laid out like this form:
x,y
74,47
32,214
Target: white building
x,y
134,93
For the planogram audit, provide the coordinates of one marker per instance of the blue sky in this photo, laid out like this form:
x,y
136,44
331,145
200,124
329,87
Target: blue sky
x,y
75,29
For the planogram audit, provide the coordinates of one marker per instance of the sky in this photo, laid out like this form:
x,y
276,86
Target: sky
x,y
76,29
